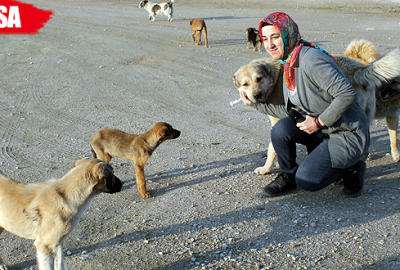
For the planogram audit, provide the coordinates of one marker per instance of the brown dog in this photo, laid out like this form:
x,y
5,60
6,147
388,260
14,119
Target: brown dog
x,y
198,25
47,212
253,37
108,143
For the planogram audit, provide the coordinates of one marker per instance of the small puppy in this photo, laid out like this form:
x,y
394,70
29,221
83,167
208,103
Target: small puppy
x,y
253,37
47,212
198,25
153,9
108,143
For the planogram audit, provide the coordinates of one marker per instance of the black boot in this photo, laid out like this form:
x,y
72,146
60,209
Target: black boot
x,y
353,179
282,183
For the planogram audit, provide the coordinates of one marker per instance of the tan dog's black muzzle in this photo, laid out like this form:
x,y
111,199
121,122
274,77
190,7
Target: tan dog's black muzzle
x,y
114,184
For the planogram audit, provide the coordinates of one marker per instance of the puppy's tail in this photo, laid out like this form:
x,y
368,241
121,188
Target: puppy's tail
x,y
362,51
380,71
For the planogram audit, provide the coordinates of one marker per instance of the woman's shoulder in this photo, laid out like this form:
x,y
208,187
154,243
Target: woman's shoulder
x,y
310,52
313,55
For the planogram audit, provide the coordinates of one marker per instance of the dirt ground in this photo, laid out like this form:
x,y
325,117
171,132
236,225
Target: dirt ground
x,y
101,63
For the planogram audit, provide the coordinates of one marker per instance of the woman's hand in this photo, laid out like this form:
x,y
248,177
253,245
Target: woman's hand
x,y
309,126
244,98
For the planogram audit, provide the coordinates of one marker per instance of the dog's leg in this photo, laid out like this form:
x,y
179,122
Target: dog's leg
x,y
269,164
205,36
2,264
271,158
59,258
45,261
198,37
248,44
140,179
99,154
392,124
260,44
193,33
255,45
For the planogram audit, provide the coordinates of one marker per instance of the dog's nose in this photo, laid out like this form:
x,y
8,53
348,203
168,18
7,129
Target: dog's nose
x,y
257,96
116,185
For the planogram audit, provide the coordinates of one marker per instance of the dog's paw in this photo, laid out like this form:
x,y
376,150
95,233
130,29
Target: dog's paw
x,y
262,171
395,156
145,194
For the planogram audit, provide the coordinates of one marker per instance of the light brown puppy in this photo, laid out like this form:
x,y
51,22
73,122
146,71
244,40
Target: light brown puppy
x,y
108,143
258,80
253,37
47,212
198,25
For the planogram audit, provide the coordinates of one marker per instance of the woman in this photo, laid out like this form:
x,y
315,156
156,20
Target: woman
x,y
335,130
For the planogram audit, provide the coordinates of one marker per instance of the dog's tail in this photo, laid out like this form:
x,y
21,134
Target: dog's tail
x,y
362,51
380,71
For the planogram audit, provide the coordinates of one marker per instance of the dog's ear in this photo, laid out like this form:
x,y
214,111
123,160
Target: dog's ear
x,y
79,162
191,22
107,181
235,81
162,132
101,172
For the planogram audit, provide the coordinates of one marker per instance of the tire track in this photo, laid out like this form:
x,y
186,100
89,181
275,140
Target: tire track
x,y
11,153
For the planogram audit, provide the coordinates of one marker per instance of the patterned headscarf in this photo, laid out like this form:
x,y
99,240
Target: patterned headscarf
x,y
292,43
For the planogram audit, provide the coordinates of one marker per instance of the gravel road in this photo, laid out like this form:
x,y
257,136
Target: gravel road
x,y
100,63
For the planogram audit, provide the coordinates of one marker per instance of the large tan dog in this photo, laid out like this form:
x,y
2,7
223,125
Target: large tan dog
x,y
258,81
108,143
47,212
387,95
262,81
198,26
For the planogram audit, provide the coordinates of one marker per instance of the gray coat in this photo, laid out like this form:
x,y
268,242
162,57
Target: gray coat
x,y
324,91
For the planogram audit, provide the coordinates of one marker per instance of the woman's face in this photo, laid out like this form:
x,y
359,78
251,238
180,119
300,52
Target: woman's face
x,y
273,42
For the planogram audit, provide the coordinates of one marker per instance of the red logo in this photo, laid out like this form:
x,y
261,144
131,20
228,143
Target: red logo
x,y
20,18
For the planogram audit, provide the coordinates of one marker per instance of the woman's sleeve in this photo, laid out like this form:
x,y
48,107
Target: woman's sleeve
x,y
278,111
324,73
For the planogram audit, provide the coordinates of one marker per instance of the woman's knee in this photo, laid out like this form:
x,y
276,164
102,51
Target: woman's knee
x,y
282,128
306,182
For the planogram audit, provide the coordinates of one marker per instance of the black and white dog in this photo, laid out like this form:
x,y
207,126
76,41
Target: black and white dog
x,y
153,9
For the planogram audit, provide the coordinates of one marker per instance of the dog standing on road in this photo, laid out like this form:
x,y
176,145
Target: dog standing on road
x,y
47,212
155,9
108,143
387,95
253,37
198,25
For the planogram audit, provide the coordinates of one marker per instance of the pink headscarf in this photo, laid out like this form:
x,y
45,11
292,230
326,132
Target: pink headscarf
x,y
292,43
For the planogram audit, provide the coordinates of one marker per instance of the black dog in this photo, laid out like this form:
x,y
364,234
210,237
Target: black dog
x,y
253,37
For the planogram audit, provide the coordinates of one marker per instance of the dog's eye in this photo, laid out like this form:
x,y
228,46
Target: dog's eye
x,y
259,79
